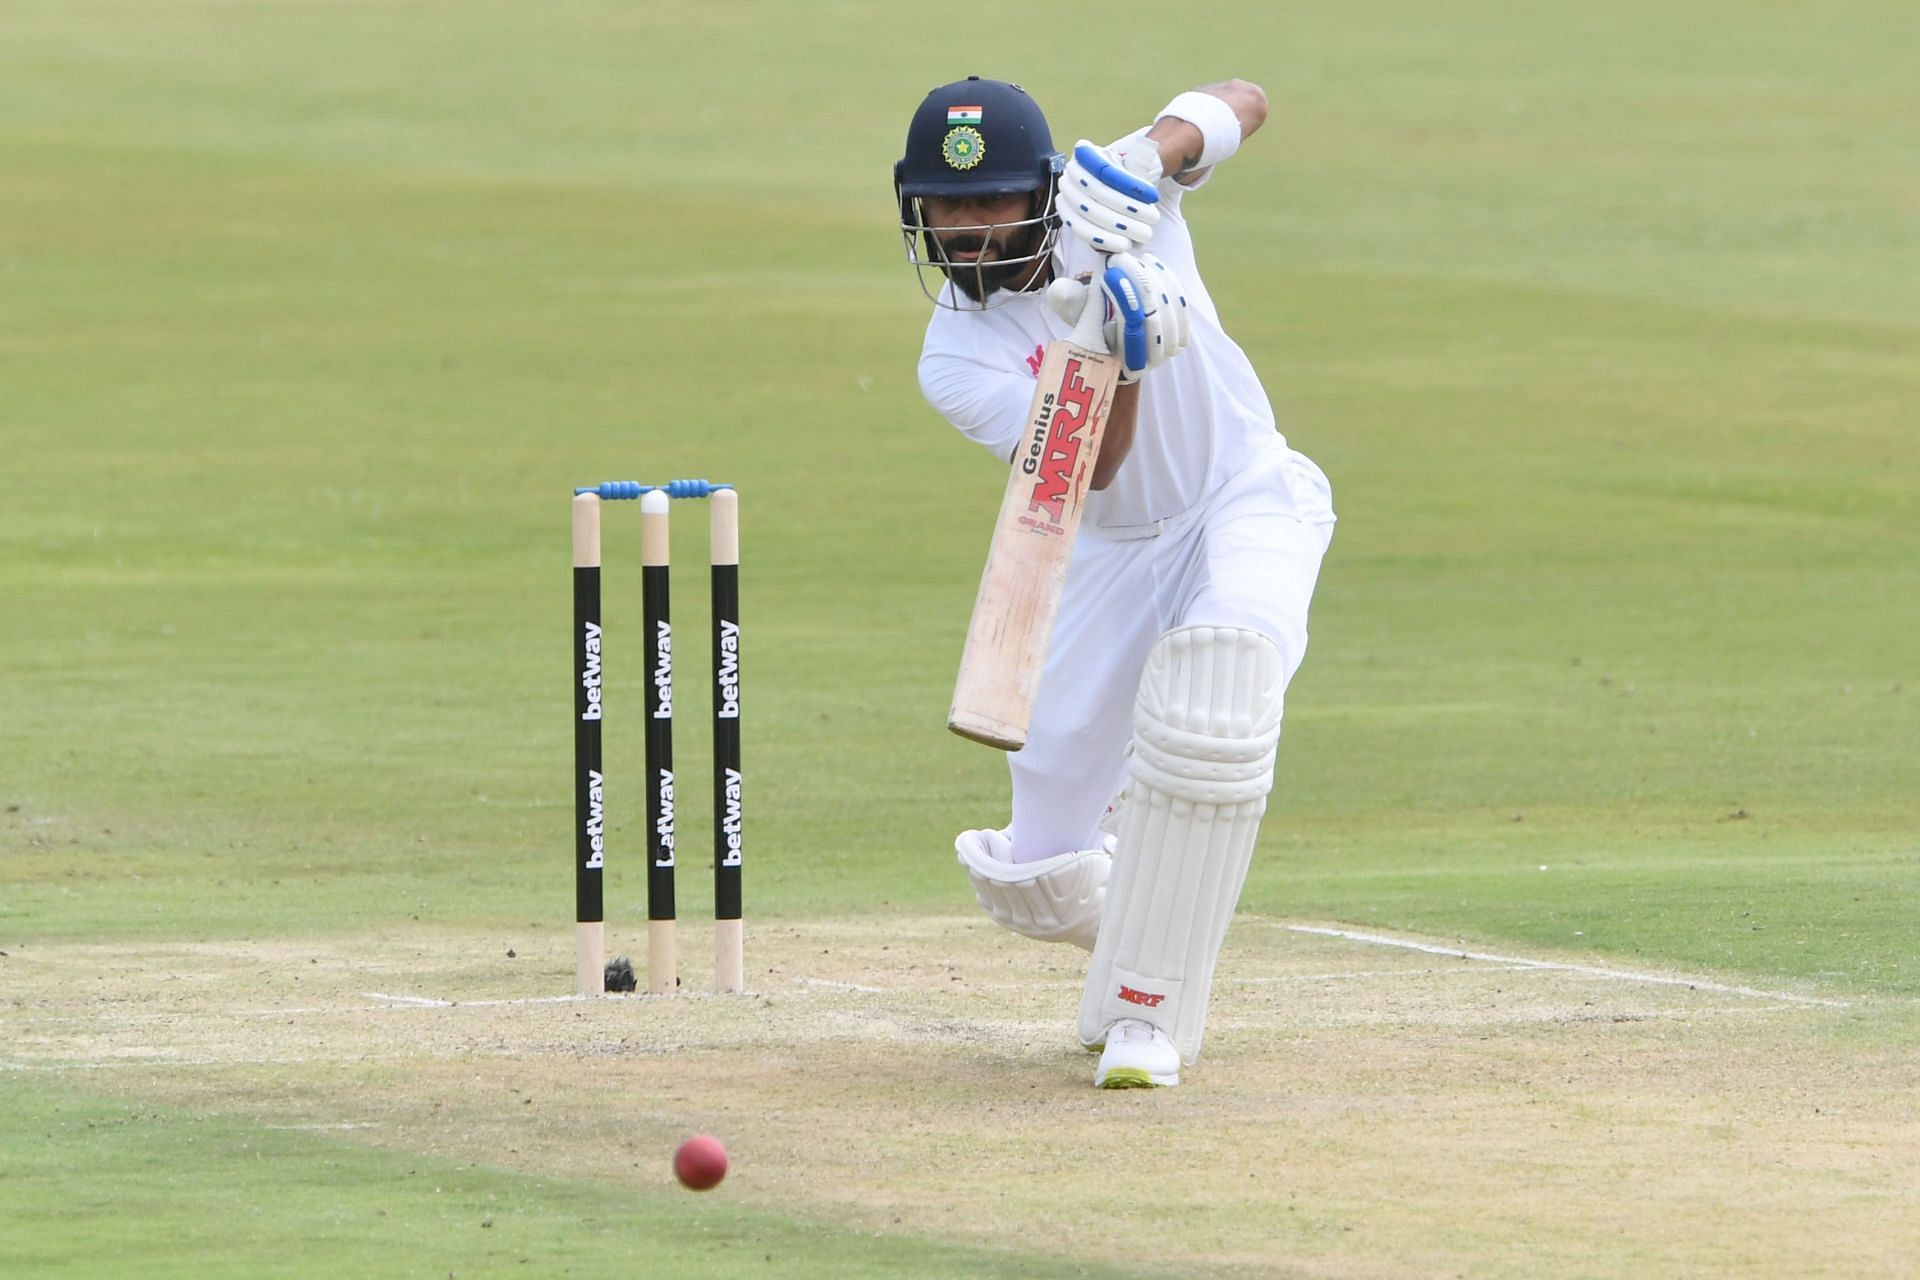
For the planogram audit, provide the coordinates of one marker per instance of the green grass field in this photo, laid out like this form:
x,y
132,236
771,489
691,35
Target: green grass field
x,y
1602,322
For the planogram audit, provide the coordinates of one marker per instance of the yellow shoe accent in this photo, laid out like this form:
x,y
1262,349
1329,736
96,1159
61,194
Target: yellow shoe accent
x,y
1137,1056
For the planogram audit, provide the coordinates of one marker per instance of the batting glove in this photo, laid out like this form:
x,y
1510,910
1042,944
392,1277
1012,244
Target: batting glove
x,y
1147,320
1110,196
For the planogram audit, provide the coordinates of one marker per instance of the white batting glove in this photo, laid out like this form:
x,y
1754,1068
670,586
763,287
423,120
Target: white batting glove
x,y
1147,320
1110,196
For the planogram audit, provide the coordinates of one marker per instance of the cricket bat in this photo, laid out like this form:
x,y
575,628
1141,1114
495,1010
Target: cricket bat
x,y
1033,537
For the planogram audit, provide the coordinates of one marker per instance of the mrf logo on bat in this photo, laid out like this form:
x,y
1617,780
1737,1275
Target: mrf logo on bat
x,y
1054,449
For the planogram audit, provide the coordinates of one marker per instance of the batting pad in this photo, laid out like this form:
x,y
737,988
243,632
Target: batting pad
x,y
1056,899
1206,723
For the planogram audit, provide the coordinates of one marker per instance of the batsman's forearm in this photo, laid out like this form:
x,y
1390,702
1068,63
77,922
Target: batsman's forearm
x,y
1179,144
1118,440
1180,141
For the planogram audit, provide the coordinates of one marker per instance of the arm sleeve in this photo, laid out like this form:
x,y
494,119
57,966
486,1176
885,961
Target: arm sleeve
x,y
989,406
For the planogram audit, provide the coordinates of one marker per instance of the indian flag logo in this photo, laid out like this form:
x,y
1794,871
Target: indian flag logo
x,y
963,115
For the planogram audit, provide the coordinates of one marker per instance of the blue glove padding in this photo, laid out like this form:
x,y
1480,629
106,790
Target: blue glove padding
x,y
1094,160
1144,307
1130,311
1109,198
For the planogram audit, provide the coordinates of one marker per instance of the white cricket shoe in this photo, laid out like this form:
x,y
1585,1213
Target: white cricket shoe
x,y
1138,1056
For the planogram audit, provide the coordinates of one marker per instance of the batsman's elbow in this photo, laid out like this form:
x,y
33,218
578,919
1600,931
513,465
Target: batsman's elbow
x,y
1249,103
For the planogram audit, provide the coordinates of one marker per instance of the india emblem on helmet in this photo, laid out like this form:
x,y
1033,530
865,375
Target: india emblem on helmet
x,y
963,147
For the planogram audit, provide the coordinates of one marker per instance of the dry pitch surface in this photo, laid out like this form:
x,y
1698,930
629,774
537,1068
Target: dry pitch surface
x,y
1365,1108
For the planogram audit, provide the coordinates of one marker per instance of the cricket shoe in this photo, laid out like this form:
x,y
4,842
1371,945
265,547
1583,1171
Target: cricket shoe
x,y
1138,1056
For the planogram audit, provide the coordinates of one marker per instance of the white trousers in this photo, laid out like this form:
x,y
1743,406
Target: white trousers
x,y
1248,557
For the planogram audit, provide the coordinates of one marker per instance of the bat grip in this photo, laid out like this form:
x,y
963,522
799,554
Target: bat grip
x,y
1090,330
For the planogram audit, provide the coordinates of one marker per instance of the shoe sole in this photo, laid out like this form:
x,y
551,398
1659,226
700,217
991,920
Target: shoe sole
x,y
1134,1078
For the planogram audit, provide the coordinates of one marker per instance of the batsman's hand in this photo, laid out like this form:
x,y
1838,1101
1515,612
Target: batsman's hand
x,y
1147,322
1110,196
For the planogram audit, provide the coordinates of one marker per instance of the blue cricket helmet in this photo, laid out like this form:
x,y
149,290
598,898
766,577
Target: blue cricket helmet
x,y
977,137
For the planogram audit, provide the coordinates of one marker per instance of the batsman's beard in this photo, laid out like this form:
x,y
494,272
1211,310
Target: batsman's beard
x,y
1014,262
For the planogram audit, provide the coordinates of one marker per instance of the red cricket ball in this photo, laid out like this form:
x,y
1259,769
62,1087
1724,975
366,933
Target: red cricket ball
x,y
700,1162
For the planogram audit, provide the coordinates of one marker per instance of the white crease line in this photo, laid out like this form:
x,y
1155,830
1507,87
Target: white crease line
x,y
117,1018
392,1004
153,1063
1037,984
1361,975
1592,971
424,1002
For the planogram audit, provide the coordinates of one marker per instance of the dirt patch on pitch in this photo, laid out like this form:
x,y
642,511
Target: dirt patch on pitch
x,y
1363,1109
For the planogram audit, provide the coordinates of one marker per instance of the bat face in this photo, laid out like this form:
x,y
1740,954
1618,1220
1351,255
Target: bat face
x,y
1057,435
1032,545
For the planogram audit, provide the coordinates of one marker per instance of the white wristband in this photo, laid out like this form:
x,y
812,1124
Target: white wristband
x,y
1219,127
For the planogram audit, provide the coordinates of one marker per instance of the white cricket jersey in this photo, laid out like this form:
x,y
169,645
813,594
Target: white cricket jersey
x,y
1203,415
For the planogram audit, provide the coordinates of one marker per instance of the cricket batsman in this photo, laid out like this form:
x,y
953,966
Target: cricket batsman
x,y
1138,794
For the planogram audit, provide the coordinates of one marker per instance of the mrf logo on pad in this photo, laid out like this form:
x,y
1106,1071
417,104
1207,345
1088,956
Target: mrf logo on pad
x,y
1147,999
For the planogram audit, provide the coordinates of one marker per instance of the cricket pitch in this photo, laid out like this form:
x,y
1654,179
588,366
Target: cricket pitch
x,y
1367,1105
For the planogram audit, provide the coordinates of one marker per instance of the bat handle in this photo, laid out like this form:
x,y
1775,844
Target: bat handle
x,y
1090,330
